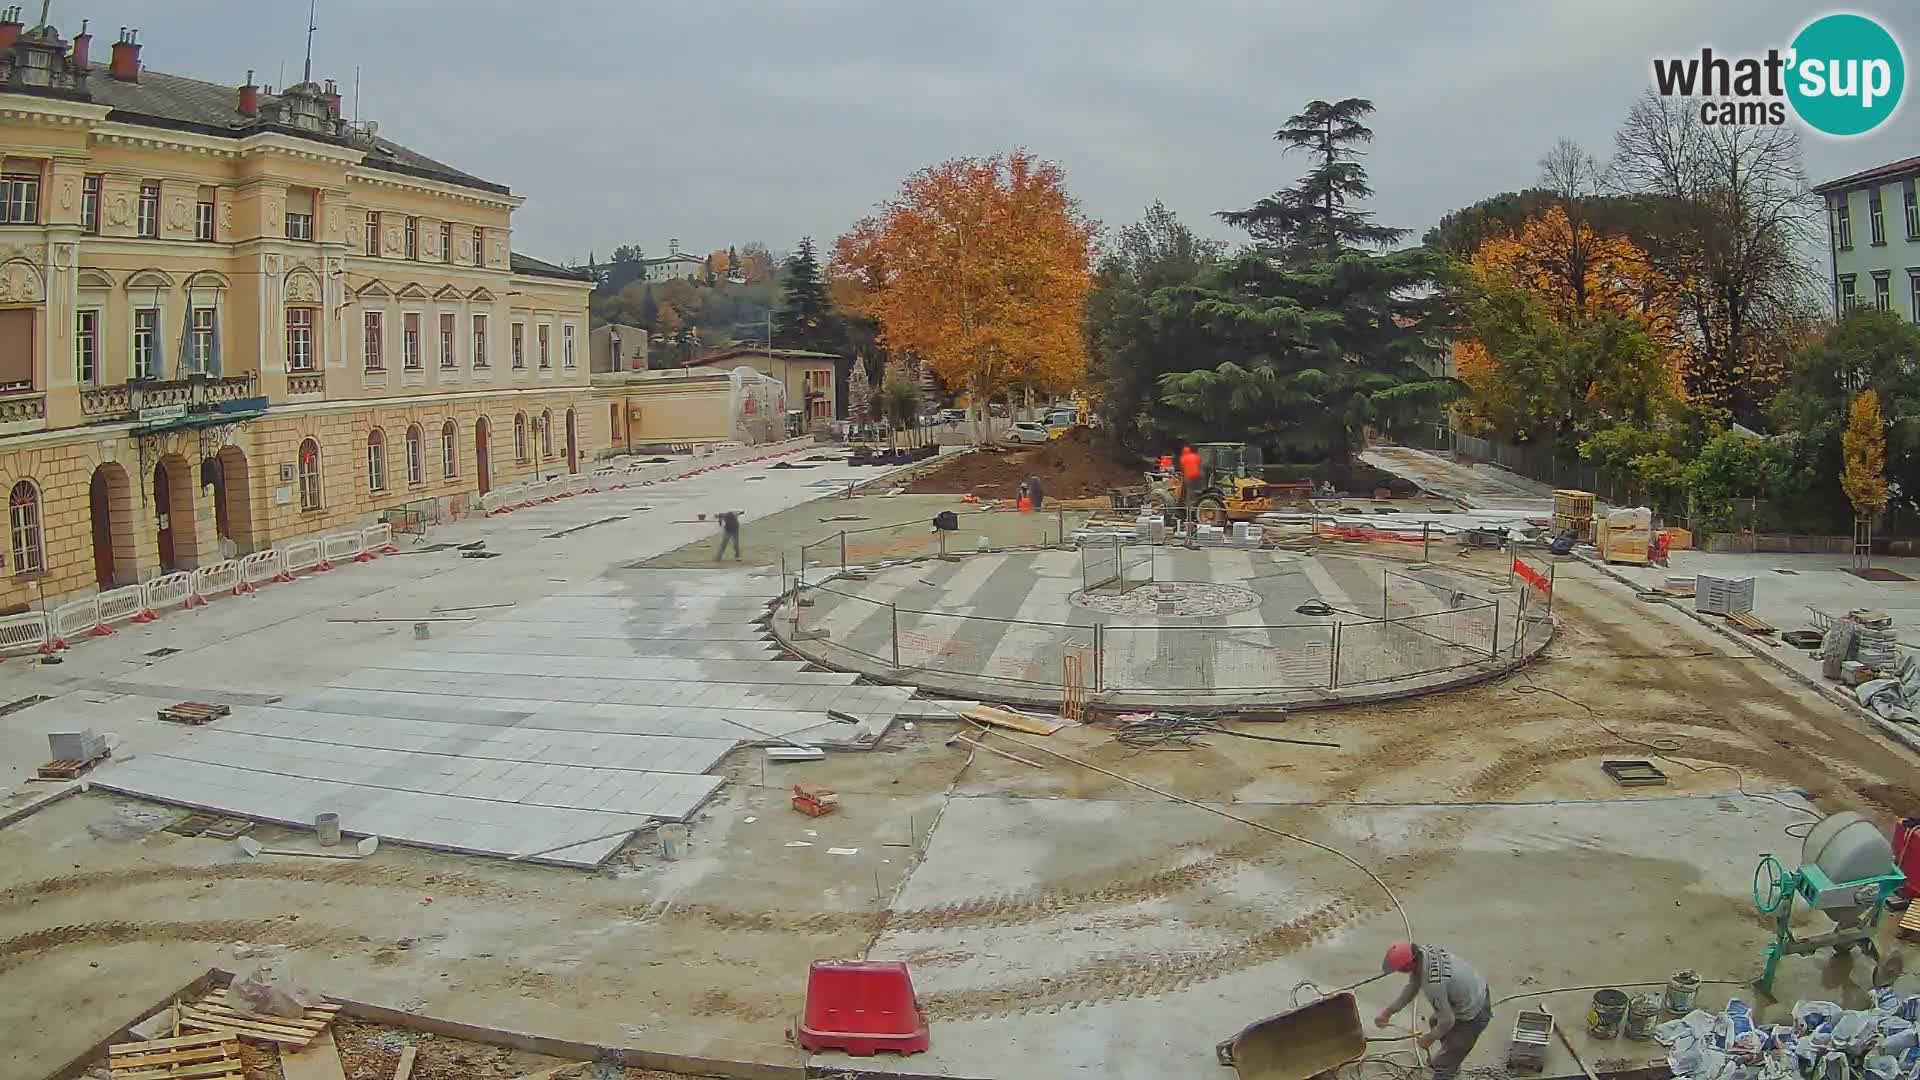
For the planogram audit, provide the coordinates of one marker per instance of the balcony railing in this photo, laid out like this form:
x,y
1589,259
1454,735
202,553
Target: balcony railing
x,y
17,408
304,383
194,393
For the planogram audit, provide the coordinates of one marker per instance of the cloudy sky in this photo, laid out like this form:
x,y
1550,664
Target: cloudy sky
x,y
724,121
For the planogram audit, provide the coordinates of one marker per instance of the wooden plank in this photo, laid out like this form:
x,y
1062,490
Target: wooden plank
x,y
215,1008
1910,922
178,1055
222,996
404,1070
557,1071
244,1028
320,1060
157,1044
987,714
225,1066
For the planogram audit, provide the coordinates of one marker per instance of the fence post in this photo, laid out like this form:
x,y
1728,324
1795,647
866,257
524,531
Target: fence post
x,y
893,611
1060,524
1519,610
843,551
783,573
1099,657
1386,613
1333,664
1553,568
1426,541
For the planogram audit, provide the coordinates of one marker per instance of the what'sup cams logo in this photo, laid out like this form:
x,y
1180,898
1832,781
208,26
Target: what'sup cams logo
x,y
1843,75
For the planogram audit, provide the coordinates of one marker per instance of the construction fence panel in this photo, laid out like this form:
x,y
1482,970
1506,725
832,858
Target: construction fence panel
x,y
377,539
74,619
1384,650
121,605
1099,563
1201,659
298,555
262,567
341,546
879,544
169,589
25,632
223,576
1007,652
840,626
1137,565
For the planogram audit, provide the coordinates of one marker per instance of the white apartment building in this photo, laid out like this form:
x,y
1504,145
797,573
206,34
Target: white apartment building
x,y
1873,239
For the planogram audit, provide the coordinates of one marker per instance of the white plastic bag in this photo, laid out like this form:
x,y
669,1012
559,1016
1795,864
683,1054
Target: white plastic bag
x,y
1855,1031
263,982
1808,1015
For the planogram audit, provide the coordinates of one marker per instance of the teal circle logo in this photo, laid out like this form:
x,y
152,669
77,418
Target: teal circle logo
x,y
1847,74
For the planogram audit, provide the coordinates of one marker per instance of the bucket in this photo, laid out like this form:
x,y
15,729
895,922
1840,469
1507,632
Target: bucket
x,y
328,826
1643,1014
1682,990
1608,1013
673,842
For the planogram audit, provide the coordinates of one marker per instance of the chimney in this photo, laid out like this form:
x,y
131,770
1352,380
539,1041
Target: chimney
x,y
673,247
9,26
332,98
249,97
126,56
81,42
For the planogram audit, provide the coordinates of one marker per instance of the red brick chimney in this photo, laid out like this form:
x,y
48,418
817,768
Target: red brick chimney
x,y
126,56
82,41
331,96
9,26
249,97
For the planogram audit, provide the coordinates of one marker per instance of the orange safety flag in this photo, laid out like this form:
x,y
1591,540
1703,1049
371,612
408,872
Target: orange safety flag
x,y
1531,576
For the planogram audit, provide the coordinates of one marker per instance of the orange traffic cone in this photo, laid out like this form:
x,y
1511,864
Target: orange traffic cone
x,y
1026,505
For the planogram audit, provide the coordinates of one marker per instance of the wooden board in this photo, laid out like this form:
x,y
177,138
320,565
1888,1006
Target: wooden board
x,y
252,1030
1910,922
404,1070
1031,725
1745,621
318,1060
193,712
63,770
207,1056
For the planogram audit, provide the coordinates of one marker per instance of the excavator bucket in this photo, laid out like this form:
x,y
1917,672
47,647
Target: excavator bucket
x,y
1299,1043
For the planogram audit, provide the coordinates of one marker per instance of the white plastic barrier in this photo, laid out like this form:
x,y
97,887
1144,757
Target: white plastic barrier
x,y
73,619
376,540
121,605
259,568
167,590
25,632
220,577
341,546
298,555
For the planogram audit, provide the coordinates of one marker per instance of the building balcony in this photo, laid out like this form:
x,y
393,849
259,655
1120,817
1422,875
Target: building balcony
x,y
22,410
306,384
149,400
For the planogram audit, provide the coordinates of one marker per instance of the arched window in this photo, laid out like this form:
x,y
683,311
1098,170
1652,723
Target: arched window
x,y
416,455
310,475
24,511
546,433
376,460
519,436
449,462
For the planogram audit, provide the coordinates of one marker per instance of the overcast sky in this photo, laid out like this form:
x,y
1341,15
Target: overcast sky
x,y
725,121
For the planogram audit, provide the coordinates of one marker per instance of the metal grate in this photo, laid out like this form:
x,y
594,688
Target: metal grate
x,y
21,703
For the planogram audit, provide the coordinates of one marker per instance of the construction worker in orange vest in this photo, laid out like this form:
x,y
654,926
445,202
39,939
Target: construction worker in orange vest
x,y
1190,477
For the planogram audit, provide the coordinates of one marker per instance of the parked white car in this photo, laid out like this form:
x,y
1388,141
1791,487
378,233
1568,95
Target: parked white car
x,y
1027,432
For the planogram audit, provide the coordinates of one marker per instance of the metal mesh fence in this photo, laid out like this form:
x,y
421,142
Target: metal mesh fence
x,y
1204,658
1099,564
1402,647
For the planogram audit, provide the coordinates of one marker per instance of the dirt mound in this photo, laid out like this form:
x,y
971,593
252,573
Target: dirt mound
x,y
1073,466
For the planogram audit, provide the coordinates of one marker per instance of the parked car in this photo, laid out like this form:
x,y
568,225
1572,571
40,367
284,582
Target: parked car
x,y
1027,432
953,416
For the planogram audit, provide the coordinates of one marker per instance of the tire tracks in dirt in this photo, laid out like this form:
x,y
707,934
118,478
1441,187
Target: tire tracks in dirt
x,y
21,948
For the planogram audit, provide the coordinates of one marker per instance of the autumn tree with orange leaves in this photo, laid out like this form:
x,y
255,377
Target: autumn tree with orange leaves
x,y
980,267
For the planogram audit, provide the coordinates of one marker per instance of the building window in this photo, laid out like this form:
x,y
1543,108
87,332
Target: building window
x,y
90,204
146,343
376,460
1913,212
20,199
372,246
23,508
449,459
1842,225
519,436
203,216
299,213
149,220
376,356
546,357
1882,291
566,346
410,340
416,455
1913,295
446,341
546,433
86,347
309,475
480,341
1848,301
200,344
413,238
446,241
479,247
519,346
299,339
1876,218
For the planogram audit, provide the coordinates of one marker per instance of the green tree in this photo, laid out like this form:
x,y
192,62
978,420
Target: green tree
x,y
1558,377
648,315
1305,341
1867,350
1863,455
805,319
899,403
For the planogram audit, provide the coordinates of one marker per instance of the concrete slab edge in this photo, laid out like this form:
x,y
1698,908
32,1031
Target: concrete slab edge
x,y
308,826
34,806
1898,733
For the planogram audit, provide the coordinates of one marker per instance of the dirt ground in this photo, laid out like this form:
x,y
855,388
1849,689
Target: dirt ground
x,y
1074,466
101,912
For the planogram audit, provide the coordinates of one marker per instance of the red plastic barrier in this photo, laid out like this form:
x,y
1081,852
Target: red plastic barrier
x,y
861,1008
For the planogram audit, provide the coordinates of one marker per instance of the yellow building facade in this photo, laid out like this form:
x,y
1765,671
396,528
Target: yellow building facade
x,y
229,318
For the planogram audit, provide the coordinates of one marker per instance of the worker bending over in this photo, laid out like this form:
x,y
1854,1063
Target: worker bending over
x,y
1462,1006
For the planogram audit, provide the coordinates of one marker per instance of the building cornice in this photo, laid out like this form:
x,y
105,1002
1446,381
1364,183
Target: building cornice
x,y
372,177
54,112
140,136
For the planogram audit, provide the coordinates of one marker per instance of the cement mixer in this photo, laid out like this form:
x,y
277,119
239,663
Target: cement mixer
x,y
1846,874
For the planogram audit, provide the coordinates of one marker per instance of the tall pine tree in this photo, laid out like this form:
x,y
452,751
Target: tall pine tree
x,y
1310,338
805,319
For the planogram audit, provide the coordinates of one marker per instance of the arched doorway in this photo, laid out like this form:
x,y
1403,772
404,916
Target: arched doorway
x,y
110,506
482,464
573,449
173,486
233,499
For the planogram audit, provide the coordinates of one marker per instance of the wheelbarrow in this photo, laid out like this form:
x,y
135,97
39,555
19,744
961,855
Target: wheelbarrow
x,y
1298,1044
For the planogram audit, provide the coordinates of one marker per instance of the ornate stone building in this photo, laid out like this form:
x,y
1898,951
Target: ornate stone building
x,y
229,317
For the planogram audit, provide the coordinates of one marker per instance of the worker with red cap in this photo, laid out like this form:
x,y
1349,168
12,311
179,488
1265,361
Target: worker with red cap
x,y
1461,1003
1189,477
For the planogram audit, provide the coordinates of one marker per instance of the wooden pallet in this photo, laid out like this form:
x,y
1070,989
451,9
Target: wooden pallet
x,y
218,1012
1910,923
65,769
1746,622
213,1055
194,712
